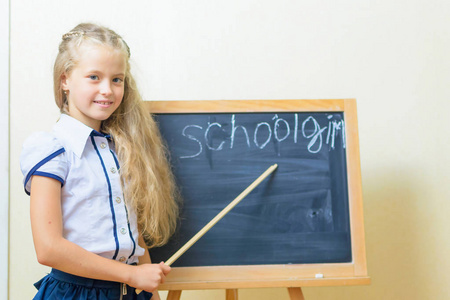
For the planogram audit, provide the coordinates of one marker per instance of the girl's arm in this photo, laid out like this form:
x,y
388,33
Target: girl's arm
x,y
145,259
53,250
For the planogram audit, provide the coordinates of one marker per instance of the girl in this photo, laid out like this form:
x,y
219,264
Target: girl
x,y
100,184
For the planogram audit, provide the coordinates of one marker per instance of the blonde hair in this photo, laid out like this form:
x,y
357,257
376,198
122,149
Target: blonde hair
x,y
149,185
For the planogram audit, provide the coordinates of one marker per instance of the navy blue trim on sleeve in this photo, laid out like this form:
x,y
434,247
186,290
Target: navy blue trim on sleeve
x,y
50,175
40,164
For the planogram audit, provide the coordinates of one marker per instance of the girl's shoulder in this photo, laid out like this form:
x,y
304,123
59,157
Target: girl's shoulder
x,y
41,143
43,154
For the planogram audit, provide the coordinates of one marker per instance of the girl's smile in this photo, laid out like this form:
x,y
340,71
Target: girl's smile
x,y
95,86
104,103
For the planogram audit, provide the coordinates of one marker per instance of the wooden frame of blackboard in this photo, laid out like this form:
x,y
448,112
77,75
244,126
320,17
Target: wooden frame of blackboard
x,y
289,275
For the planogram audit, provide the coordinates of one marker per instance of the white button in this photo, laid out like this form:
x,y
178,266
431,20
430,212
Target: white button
x,y
122,259
103,145
113,170
118,200
123,230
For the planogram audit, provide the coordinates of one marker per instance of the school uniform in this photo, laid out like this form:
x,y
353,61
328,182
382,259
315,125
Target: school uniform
x,y
94,212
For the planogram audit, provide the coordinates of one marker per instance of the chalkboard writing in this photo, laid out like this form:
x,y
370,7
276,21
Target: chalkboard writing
x,y
299,215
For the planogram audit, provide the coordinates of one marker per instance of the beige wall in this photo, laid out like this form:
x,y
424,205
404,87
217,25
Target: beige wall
x,y
392,56
4,147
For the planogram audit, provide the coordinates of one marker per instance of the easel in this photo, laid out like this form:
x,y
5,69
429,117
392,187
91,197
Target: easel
x,y
290,276
295,293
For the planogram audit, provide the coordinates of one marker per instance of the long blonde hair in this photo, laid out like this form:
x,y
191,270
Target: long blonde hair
x,y
149,185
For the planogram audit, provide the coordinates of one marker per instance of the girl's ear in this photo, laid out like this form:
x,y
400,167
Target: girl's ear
x,y
64,81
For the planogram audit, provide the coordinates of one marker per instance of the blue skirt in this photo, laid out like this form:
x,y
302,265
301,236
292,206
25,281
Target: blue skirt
x,y
59,285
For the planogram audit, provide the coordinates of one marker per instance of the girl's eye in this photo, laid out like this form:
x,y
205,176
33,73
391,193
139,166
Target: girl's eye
x,y
117,80
93,77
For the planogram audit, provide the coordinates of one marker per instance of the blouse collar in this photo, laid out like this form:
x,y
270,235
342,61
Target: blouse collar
x,y
75,133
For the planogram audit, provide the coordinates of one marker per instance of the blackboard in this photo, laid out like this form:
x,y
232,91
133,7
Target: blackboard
x,y
299,215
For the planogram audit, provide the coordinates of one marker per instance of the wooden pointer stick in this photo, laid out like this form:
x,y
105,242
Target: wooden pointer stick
x,y
220,215
217,218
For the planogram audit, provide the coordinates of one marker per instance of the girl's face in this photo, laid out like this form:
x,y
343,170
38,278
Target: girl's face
x,y
95,86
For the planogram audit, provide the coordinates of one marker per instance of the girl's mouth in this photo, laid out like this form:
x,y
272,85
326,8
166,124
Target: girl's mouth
x,y
104,103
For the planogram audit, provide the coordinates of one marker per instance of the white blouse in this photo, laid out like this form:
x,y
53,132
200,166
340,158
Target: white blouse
x,y
95,213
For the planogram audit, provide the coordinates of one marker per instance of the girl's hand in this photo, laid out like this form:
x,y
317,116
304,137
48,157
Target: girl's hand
x,y
149,276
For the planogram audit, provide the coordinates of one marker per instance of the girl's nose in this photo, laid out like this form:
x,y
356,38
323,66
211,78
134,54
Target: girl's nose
x,y
105,88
